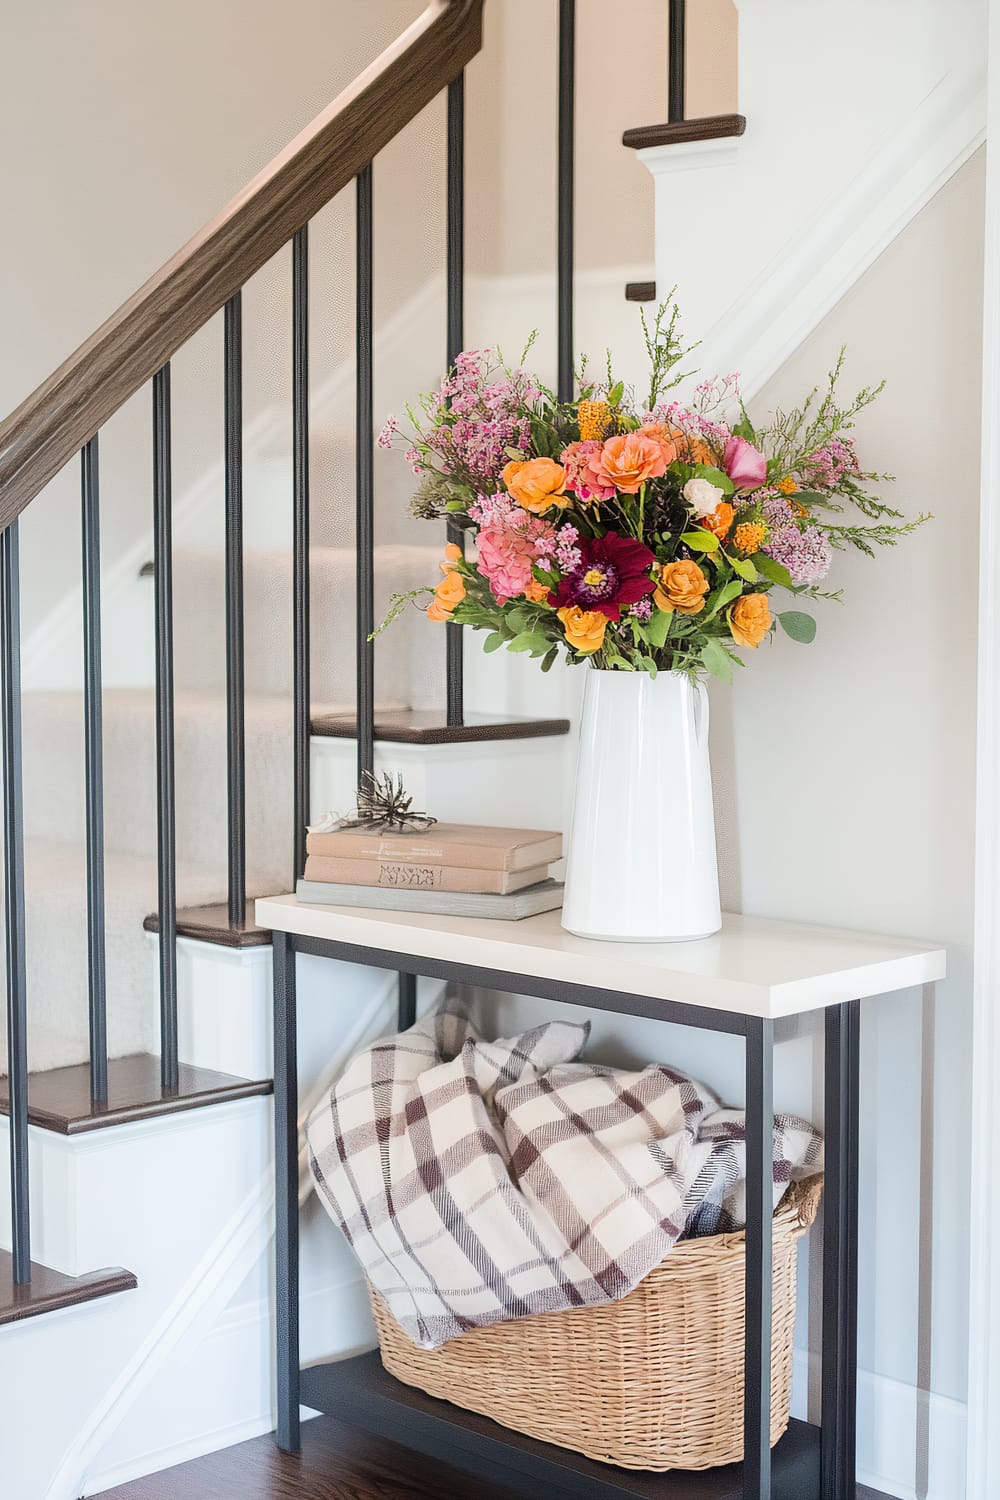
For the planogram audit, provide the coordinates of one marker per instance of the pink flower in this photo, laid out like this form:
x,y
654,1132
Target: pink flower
x,y
507,548
745,464
578,459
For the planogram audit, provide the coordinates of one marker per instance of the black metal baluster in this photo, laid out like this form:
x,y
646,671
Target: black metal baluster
x,y
286,1191
301,711
94,759
839,1397
365,481
676,64
165,818
759,1235
566,165
455,340
406,1001
13,860
235,675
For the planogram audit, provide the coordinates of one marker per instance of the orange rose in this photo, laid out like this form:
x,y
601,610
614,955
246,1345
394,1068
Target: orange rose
x,y
669,439
750,619
690,450
719,522
584,627
536,483
452,555
626,462
682,586
449,592
536,591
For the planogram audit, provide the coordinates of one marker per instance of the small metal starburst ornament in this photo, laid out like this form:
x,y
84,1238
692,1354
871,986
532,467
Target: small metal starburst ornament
x,y
383,805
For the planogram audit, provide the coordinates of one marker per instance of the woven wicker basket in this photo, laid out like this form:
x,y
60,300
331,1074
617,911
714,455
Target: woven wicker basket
x,y
654,1381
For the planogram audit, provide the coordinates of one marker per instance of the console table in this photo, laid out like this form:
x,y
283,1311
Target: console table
x,y
751,974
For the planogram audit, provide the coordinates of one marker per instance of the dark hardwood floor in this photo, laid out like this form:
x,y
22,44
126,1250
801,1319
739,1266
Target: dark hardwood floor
x,y
336,1463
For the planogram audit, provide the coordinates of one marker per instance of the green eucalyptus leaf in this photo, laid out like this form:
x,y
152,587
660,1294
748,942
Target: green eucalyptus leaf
x,y
493,642
745,568
729,591
700,541
549,658
717,660
658,628
530,640
776,572
799,626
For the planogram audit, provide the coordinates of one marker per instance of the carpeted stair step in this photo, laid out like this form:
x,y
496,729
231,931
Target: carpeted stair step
x,y
409,660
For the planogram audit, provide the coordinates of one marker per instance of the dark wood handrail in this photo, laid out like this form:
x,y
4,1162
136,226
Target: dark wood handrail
x,y
68,408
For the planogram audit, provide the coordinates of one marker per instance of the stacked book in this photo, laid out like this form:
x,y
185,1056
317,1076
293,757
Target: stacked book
x,y
448,869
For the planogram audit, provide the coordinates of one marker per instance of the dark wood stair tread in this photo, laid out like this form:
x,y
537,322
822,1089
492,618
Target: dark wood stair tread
x,y
414,726
59,1099
50,1290
210,924
336,1462
640,291
677,132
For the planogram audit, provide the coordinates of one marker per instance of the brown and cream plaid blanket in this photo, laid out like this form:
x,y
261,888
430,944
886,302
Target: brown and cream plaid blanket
x,y
482,1181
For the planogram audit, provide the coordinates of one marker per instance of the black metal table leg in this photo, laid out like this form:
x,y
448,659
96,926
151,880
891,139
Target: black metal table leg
x,y
840,1254
760,1211
286,1192
407,1004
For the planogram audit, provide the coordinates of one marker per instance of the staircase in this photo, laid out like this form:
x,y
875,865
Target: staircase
x,y
141,820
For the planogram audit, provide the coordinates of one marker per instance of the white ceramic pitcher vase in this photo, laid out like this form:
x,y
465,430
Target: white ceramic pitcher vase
x,y
641,865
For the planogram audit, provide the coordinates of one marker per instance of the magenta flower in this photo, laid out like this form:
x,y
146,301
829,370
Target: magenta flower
x,y
745,464
613,570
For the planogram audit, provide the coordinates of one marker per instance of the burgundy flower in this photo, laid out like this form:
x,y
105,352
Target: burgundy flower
x,y
613,571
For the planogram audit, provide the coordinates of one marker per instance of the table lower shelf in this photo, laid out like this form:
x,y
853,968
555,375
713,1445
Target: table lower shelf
x,y
361,1392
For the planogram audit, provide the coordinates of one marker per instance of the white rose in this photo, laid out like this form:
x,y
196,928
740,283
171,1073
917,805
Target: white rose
x,y
703,496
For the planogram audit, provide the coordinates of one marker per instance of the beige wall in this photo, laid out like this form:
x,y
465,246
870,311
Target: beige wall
x,y
130,125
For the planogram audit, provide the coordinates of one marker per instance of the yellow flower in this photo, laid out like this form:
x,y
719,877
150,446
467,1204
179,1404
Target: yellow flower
x,y
787,486
584,627
750,619
682,586
594,418
750,536
449,592
536,483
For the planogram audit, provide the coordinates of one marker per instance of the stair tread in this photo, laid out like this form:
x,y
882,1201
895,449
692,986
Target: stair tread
x,y
50,1290
59,1098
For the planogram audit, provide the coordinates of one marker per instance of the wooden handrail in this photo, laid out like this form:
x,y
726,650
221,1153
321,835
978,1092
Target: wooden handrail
x,y
57,419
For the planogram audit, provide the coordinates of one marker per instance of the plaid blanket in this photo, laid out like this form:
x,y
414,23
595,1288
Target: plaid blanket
x,y
483,1181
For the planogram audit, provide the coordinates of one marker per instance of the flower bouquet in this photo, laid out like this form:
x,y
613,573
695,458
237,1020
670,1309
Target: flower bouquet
x,y
648,539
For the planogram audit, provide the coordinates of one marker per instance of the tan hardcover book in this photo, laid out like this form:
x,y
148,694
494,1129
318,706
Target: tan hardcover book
x,y
407,874
459,845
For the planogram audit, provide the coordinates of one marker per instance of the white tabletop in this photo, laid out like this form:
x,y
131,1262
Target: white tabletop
x,y
754,966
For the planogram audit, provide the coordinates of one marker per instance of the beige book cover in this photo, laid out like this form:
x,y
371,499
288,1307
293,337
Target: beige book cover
x,y
410,875
460,845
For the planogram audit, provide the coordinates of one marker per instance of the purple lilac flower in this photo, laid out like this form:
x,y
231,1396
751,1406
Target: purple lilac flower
x,y
642,610
806,554
830,464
